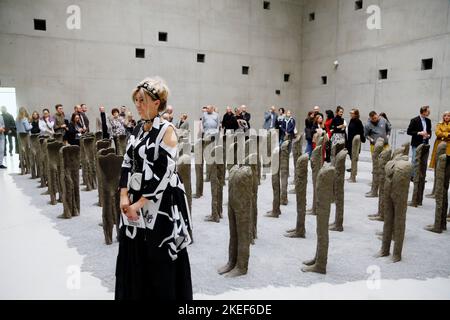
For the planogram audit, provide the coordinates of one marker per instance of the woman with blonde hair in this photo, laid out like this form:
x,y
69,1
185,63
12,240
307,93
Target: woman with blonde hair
x,y
23,121
155,224
442,135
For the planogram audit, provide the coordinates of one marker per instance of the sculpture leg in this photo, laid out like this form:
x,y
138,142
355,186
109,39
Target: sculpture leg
x,y
198,181
232,247
107,219
388,227
400,208
275,213
299,231
76,190
214,217
68,196
243,241
52,186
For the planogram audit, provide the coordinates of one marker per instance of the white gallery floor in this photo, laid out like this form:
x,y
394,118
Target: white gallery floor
x,y
43,257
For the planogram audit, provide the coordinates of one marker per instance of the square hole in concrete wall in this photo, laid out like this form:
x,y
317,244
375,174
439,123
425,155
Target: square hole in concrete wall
x,y
324,80
140,53
427,64
277,92
312,16
200,57
266,5
245,69
162,36
287,76
40,24
358,5
383,74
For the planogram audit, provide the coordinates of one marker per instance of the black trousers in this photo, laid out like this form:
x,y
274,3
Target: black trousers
x,y
9,138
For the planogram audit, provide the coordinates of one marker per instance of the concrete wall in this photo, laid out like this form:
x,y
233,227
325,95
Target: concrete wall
x,y
97,65
412,30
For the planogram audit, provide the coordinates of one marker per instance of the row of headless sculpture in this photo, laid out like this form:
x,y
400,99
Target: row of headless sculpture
x,y
390,182
58,167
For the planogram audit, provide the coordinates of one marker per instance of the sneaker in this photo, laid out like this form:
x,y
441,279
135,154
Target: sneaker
x,y
3,167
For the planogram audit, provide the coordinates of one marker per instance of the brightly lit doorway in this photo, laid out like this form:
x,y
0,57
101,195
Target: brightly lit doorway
x,y
8,99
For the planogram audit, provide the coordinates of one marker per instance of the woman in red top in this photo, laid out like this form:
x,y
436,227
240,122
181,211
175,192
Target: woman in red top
x,y
330,117
328,122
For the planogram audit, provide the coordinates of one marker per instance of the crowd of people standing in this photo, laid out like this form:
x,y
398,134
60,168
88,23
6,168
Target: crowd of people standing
x,y
330,125
120,122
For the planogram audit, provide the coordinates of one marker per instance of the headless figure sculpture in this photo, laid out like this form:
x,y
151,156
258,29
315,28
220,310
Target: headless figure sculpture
x,y
399,152
54,181
199,160
44,165
34,149
420,175
40,158
89,154
335,149
58,137
441,195
276,188
297,145
258,160
441,149
267,141
339,183
110,173
216,187
383,159
301,182
406,149
122,144
250,162
379,146
207,141
83,161
98,136
70,181
398,175
239,191
102,144
324,192
24,153
316,165
284,172
356,147
184,170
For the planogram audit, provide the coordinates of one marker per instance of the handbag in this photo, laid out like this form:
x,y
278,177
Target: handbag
x,y
134,189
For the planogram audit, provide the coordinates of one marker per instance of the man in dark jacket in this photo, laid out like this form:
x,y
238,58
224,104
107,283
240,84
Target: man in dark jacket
x,y
10,131
102,123
229,121
83,114
420,131
245,115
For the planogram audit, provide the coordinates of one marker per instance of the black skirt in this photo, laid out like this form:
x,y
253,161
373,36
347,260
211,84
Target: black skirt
x,y
145,271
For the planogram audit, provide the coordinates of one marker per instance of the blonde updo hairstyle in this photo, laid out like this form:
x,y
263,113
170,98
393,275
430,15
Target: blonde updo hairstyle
x,y
446,113
159,86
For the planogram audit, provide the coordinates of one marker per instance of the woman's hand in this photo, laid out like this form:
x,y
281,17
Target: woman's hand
x,y
124,202
132,212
